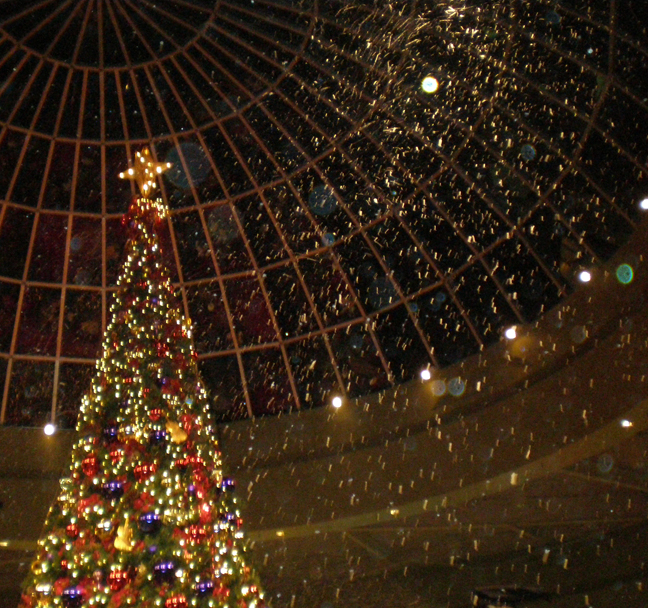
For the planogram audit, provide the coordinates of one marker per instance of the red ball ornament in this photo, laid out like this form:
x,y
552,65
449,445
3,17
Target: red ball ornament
x,y
176,601
90,465
144,471
196,461
181,463
205,513
116,456
221,592
117,579
87,503
72,531
199,478
196,534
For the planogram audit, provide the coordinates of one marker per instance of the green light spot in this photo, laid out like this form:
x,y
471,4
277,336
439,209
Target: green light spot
x,y
625,274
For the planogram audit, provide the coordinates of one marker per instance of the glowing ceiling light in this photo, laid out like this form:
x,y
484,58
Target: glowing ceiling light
x,y
337,402
584,276
49,429
644,204
430,84
425,374
511,333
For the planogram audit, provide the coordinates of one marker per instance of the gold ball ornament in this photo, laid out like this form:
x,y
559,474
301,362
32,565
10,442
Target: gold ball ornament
x,y
124,538
141,575
178,434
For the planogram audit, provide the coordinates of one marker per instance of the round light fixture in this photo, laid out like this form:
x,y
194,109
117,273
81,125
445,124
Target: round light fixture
x,y
511,333
337,402
49,429
430,84
584,276
425,374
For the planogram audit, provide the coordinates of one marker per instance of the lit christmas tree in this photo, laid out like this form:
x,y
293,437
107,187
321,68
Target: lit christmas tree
x,y
145,517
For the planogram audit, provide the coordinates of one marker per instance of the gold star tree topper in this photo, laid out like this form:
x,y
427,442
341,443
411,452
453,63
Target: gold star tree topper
x,y
145,172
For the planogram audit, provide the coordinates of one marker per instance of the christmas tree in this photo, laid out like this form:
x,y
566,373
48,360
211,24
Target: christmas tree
x,y
145,517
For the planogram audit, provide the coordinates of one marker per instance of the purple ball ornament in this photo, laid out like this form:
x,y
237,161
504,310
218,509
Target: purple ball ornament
x,y
72,597
110,433
164,572
228,484
204,588
157,437
150,523
226,517
113,489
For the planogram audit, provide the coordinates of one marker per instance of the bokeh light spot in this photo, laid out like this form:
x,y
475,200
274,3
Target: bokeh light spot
x,y
625,274
322,200
528,152
605,463
197,165
456,387
438,388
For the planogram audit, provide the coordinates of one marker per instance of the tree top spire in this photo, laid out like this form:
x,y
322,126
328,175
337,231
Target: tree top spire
x,y
145,172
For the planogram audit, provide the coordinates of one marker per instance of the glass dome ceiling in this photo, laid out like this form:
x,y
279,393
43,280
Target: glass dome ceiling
x,y
359,191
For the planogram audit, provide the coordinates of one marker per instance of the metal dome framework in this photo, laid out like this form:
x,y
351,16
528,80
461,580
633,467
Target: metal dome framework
x,y
334,228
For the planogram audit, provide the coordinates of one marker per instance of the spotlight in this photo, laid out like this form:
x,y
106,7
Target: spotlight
x,y
511,333
584,276
425,374
337,402
626,424
643,205
430,84
49,429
